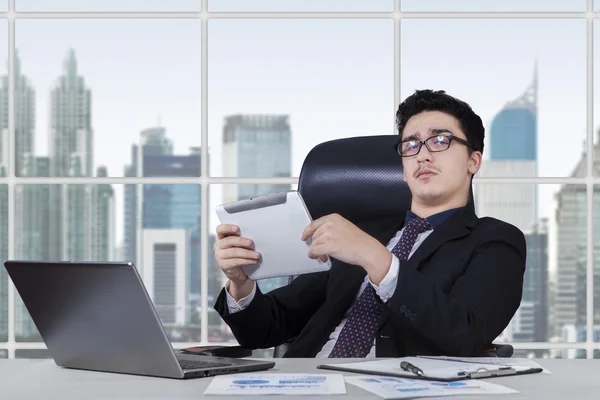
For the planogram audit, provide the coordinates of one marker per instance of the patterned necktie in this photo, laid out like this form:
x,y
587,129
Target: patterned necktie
x,y
357,335
412,230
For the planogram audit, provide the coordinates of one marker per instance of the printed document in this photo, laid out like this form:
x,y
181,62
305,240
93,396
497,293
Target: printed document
x,y
405,388
512,362
277,383
434,369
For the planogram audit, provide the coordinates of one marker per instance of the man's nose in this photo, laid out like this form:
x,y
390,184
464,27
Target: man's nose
x,y
424,154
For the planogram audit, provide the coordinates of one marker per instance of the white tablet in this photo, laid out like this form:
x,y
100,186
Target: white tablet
x,y
275,223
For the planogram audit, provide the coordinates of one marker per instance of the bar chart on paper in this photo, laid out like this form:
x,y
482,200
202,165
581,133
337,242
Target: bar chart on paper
x,y
277,384
405,388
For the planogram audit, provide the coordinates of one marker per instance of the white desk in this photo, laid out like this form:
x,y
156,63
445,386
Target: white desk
x,y
42,379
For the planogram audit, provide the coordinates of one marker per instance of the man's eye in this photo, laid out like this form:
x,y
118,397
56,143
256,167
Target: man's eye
x,y
413,144
441,139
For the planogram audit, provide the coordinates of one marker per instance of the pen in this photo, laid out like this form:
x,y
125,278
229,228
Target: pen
x,y
406,366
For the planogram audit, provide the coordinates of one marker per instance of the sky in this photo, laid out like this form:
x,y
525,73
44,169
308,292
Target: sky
x,y
334,78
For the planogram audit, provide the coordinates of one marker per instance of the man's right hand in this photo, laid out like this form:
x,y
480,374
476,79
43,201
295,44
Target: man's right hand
x,y
232,252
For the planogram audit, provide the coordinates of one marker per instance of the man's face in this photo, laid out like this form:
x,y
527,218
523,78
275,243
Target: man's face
x,y
435,178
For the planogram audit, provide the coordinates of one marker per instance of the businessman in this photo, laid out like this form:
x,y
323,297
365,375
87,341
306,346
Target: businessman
x,y
440,282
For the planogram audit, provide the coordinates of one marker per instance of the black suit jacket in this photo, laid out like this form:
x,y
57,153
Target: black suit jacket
x,y
454,296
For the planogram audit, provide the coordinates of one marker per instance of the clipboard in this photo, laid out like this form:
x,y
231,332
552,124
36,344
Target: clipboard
x,y
433,370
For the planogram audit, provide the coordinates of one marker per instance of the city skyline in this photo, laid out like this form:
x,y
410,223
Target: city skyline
x,y
105,106
543,207
369,101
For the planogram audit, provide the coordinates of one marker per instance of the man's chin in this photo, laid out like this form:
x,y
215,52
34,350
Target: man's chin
x,y
429,197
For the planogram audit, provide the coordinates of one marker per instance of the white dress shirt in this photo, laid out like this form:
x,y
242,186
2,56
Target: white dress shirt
x,y
385,290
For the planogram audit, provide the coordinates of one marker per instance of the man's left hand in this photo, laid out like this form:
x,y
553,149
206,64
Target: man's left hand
x,y
335,236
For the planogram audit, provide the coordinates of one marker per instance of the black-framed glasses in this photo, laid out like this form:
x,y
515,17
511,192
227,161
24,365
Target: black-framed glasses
x,y
437,143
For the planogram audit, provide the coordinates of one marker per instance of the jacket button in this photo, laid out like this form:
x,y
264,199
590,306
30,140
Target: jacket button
x,y
413,317
402,308
407,313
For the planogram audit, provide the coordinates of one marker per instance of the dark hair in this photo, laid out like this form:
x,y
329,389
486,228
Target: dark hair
x,y
429,100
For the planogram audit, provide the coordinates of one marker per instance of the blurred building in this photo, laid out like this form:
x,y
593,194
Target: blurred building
x,y
568,252
59,222
512,148
165,208
573,333
512,142
530,322
166,258
24,117
257,146
24,114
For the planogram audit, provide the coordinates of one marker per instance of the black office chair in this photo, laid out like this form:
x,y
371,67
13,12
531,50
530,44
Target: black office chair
x,y
360,178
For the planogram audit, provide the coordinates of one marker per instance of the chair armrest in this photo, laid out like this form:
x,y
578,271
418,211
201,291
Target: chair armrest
x,y
498,350
218,351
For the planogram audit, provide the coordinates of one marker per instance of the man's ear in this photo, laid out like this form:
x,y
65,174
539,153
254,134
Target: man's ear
x,y
475,162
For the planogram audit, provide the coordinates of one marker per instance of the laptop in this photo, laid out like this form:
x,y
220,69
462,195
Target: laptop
x,y
98,316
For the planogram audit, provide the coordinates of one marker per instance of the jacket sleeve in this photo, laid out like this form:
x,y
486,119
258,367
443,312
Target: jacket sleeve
x,y
278,316
481,303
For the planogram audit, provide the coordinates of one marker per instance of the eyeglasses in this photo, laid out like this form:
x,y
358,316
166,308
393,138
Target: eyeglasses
x,y
411,147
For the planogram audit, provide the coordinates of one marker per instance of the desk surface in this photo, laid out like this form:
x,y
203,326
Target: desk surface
x,y
27,379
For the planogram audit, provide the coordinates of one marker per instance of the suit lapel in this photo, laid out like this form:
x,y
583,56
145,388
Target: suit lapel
x,y
456,226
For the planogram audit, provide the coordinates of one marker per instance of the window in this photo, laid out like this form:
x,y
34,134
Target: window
x,y
126,132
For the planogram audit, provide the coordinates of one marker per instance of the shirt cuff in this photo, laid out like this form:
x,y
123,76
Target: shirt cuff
x,y
235,306
387,286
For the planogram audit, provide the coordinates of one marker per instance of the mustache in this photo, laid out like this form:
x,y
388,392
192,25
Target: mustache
x,y
425,169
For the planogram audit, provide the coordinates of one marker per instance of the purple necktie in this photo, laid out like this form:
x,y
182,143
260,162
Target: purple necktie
x,y
357,335
412,230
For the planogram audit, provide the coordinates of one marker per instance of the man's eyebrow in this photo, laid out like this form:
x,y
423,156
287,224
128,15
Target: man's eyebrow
x,y
441,130
432,132
414,136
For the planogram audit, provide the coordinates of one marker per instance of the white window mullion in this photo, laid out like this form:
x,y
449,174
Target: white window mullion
x,y
590,186
205,251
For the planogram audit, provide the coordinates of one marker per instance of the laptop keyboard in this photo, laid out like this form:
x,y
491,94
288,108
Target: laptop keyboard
x,y
187,364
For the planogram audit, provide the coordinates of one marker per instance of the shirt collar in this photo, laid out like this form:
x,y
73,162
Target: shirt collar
x,y
434,220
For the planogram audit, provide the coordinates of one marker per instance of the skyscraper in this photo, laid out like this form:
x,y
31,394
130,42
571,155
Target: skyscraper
x,y
102,221
70,155
153,141
257,146
33,237
512,153
535,286
58,222
567,241
71,123
512,149
24,117
165,208
165,272
530,323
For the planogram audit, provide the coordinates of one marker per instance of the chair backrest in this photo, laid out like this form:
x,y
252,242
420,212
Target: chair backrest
x,y
360,178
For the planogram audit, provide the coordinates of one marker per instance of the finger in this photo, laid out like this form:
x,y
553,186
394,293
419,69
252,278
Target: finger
x,y
237,252
312,227
319,233
235,241
317,251
224,230
319,240
232,263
